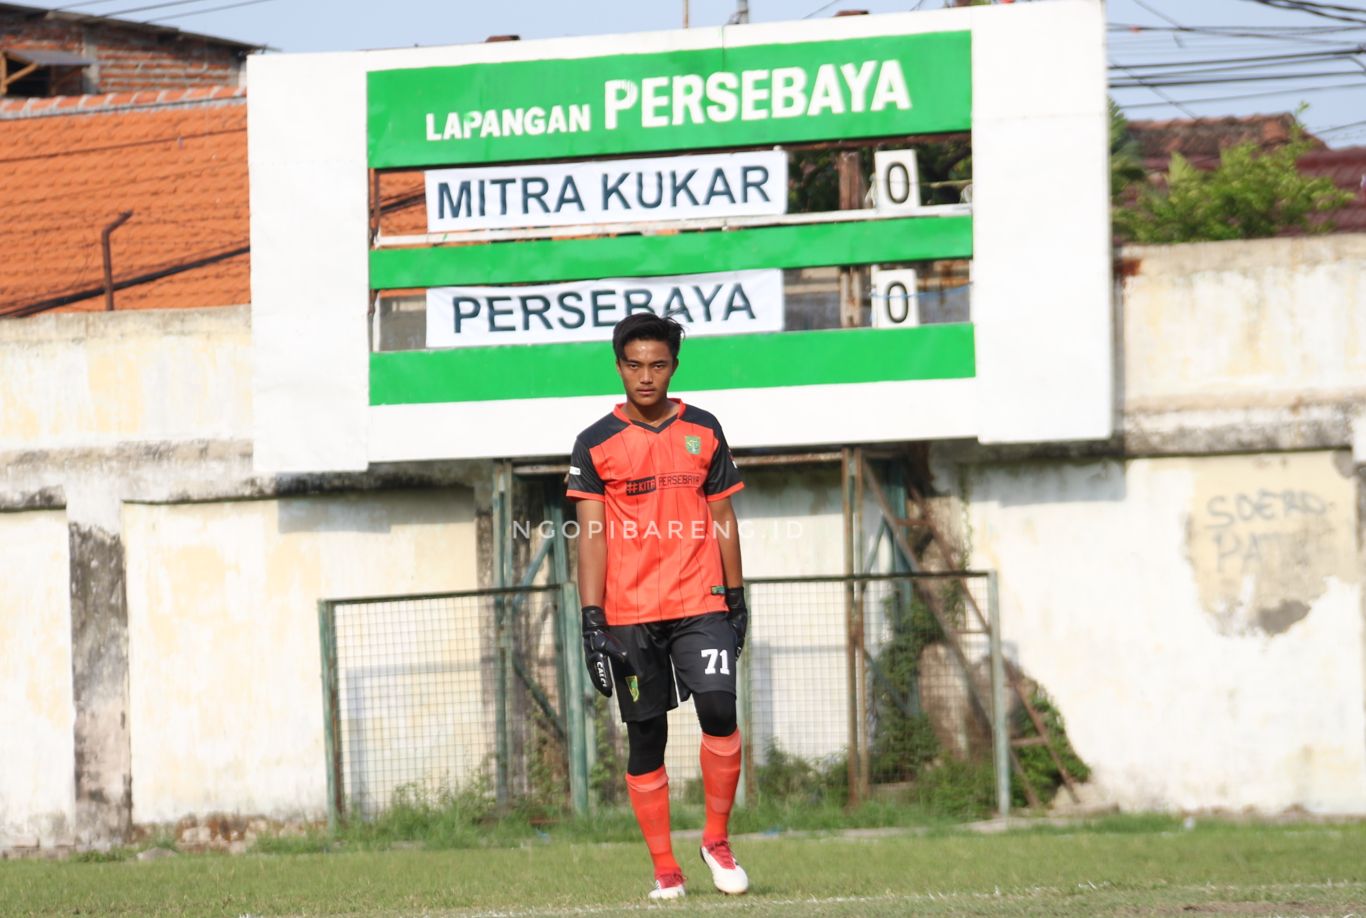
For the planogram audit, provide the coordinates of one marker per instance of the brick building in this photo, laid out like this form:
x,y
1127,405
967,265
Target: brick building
x,y
49,53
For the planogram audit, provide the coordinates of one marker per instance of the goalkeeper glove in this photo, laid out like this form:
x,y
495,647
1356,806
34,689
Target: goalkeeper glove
x,y
737,615
598,645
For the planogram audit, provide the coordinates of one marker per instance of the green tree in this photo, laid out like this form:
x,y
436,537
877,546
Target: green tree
x,y
1249,195
1126,159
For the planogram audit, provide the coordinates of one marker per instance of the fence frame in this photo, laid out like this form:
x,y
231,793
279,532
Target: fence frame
x,y
577,720
859,658
504,599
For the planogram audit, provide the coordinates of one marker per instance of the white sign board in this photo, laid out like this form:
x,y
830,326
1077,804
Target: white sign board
x,y
607,191
898,181
735,303
1042,353
896,300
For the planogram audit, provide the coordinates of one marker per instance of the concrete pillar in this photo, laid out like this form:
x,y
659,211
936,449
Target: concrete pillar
x,y
99,665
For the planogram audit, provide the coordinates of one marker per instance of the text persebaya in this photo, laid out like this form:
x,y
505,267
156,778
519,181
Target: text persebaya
x,y
692,98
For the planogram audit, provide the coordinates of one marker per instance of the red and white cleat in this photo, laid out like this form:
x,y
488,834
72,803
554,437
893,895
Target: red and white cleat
x,y
728,876
668,886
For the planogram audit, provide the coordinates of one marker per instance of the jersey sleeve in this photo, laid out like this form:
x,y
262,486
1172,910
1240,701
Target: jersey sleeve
x,y
583,482
723,477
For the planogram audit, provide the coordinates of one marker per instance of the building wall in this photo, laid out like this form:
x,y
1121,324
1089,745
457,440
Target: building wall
x,y
1189,591
223,635
1197,619
97,380
37,786
1244,345
188,584
1265,322
127,59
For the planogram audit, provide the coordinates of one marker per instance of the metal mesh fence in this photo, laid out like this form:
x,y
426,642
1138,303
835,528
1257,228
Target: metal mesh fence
x,y
869,679
852,683
435,697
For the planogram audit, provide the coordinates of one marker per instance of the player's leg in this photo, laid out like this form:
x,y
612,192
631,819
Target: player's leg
x,y
645,696
704,658
648,785
720,758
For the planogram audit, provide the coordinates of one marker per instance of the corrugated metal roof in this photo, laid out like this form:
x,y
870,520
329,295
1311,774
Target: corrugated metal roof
x,y
46,58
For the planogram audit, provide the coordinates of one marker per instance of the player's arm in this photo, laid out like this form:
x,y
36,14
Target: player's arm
x,y
728,539
585,486
598,642
723,480
592,515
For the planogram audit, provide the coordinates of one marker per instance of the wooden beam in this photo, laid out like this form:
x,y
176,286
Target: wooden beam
x,y
17,75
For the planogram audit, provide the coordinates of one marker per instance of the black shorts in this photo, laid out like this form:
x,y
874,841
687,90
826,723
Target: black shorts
x,y
699,650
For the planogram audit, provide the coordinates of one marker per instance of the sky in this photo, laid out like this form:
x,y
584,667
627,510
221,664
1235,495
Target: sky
x,y
1335,94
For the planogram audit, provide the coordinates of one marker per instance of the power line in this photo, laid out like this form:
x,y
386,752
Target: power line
x,y
76,6
159,178
1137,26
1159,93
1313,9
151,6
1260,59
53,302
1251,95
820,9
1148,84
1340,127
78,151
196,12
1159,14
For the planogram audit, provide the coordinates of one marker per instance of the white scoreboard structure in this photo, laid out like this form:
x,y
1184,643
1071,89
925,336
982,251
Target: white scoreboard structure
x,y
571,182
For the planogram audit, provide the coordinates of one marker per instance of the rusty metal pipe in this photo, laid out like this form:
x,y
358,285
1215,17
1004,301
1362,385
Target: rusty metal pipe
x,y
108,258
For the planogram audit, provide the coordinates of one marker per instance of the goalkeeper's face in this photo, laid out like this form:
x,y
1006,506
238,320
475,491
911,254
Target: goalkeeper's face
x,y
645,372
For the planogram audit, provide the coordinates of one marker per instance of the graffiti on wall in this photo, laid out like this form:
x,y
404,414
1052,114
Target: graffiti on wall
x,y
1265,537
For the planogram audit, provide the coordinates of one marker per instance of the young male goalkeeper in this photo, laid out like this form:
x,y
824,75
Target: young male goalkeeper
x,y
662,588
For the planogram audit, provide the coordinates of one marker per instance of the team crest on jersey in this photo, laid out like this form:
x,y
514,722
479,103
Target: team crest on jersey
x,y
633,687
693,445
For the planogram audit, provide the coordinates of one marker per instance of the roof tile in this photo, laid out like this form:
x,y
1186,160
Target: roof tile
x,y
180,168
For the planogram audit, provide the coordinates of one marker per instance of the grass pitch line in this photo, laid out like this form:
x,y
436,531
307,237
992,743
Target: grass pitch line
x,y
692,904
760,902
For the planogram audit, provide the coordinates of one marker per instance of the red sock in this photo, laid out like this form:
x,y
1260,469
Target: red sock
x,y
650,800
720,773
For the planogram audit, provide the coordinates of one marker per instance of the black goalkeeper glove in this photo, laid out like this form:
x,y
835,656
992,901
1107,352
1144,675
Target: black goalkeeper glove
x,y
737,615
598,645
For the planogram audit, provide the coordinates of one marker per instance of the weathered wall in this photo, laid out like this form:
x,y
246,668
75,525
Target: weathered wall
x,y
1191,594
1198,620
102,379
1244,345
191,685
37,786
223,635
1188,591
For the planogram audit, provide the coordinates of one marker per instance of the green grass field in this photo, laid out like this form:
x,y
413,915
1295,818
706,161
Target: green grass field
x,y
1124,866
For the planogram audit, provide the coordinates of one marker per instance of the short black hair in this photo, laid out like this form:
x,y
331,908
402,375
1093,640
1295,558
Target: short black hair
x,y
646,326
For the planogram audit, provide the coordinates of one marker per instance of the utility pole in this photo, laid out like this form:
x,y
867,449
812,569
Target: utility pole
x,y
685,14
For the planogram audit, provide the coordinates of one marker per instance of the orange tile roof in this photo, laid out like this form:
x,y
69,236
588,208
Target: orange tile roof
x,y
70,166
1201,140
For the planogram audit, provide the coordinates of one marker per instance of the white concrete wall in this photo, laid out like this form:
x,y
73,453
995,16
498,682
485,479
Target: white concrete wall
x,y
84,380
37,782
1198,620
224,684
1268,322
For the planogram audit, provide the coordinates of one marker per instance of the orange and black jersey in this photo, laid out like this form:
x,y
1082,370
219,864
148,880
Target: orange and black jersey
x,y
662,558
